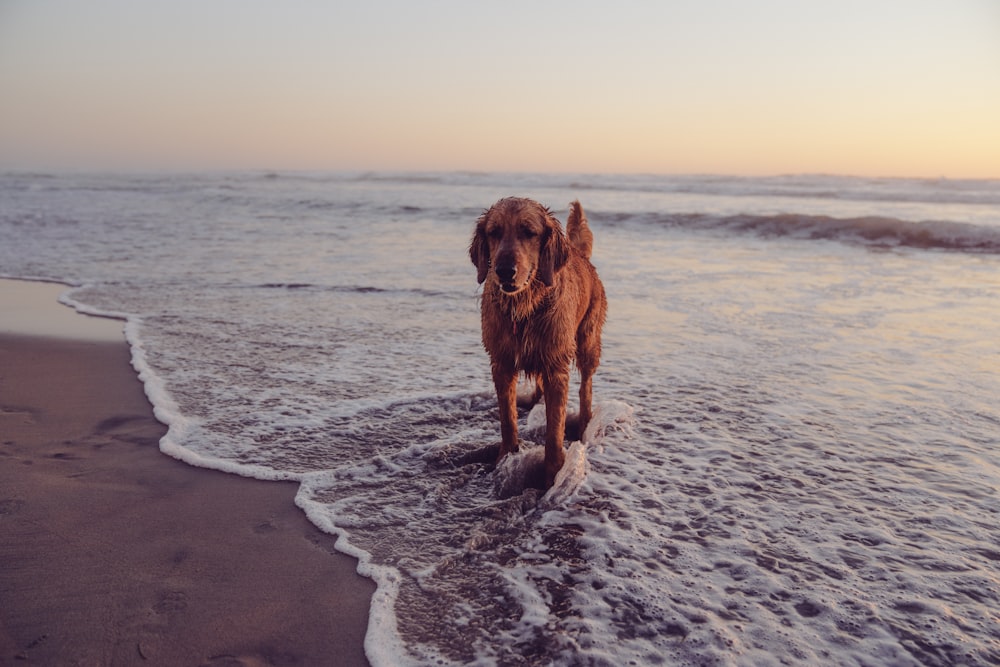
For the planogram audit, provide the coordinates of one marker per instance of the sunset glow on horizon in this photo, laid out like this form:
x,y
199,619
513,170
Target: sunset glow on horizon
x,y
905,88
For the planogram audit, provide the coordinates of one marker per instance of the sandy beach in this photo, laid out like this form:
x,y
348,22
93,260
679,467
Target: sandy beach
x,y
115,554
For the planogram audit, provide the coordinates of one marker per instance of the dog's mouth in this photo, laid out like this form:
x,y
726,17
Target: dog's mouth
x,y
514,285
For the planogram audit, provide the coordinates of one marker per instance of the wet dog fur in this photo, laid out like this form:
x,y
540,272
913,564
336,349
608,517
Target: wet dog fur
x,y
543,307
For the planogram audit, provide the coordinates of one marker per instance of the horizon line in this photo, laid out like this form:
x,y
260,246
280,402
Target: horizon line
x,y
278,171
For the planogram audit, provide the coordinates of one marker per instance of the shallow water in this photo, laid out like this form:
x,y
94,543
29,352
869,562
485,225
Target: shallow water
x,y
794,457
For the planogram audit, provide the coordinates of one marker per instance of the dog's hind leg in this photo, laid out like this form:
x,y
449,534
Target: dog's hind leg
x,y
529,400
586,397
588,357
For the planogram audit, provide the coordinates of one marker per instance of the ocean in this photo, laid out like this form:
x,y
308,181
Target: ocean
x,y
795,457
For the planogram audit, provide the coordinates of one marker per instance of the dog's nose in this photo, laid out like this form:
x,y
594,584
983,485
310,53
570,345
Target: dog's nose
x,y
506,272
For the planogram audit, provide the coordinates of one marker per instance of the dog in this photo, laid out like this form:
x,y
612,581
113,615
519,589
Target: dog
x,y
543,307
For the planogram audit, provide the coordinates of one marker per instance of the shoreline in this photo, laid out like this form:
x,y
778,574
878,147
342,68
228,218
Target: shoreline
x,y
116,554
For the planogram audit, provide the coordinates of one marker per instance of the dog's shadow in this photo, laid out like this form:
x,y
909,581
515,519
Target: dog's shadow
x,y
517,472
522,470
572,432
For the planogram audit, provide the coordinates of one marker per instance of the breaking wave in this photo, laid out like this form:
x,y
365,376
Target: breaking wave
x,y
877,231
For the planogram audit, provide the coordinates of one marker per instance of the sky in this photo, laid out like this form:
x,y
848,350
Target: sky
x,y
905,88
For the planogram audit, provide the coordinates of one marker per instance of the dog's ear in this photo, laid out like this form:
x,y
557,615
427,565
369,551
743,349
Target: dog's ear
x,y
479,249
554,252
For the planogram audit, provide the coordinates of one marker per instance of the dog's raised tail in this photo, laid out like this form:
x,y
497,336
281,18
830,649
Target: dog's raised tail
x,y
578,231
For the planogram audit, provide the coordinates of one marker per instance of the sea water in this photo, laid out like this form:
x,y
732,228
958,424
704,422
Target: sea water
x,y
795,454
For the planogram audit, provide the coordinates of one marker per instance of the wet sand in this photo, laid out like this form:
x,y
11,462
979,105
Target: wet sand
x,y
112,553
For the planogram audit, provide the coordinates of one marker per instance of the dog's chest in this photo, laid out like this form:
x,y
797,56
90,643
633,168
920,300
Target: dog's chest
x,y
525,348
528,344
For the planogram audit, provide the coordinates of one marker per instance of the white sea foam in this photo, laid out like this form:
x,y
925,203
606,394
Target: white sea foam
x,y
793,457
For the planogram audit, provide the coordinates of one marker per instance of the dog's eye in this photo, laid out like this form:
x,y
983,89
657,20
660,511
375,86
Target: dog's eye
x,y
495,233
528,232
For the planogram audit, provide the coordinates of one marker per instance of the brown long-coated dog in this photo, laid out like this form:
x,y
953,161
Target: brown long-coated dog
x,y
543,307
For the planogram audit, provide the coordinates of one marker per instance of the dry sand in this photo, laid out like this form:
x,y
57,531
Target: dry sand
x,y
112,553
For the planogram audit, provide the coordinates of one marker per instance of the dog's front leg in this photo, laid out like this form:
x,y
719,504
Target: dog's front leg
x,y
505,381
556,392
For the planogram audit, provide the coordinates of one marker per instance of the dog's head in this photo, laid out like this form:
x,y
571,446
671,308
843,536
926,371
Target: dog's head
x,y
516,242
